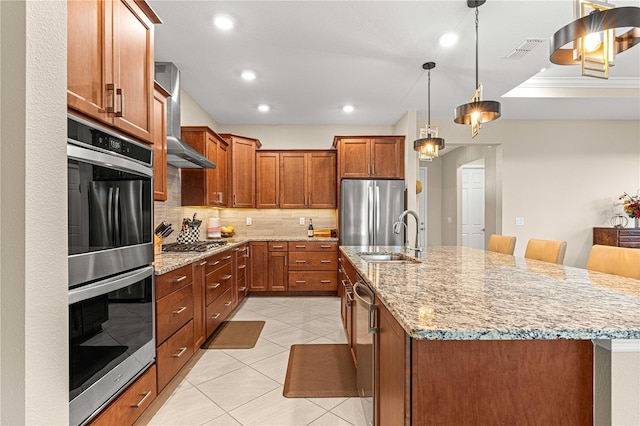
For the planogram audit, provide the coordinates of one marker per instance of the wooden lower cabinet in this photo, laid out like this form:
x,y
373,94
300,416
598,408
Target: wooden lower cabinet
x,y
173,311
313,281
277,271
199,276
259,266
127,407
619,237
220,297
241,265
218,310
313,266
173,354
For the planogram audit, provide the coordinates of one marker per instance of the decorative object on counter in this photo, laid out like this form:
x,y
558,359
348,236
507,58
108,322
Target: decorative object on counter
x,y
477,111
227,231
429,143
619,221
213,228
160,234
594,43
631,206
310,229
190,232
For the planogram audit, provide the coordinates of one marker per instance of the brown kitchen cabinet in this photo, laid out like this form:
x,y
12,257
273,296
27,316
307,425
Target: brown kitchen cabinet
x,y
242,170
619,237
199,276
205,187
259,252
347,277
267,180
159,135
220,298
131,403
110,68
277,266
241,265
313,266
371,157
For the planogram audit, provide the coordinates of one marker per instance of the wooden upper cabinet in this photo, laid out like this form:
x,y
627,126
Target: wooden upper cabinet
x,y
294,192
267,180
370,156
242,170
321,179
160,143
202,187
110,66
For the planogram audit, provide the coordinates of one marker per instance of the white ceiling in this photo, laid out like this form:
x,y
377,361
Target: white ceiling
x,y
312,57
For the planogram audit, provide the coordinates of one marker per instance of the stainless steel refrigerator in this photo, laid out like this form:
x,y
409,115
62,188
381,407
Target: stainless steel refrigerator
x,y
368,209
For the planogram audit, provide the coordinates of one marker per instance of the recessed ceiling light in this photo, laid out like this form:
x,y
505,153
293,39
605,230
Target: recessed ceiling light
x,y
263,107
348,108
448,39
248,75
223,22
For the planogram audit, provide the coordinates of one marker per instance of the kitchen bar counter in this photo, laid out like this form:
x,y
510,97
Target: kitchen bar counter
x,y
457,293
167,262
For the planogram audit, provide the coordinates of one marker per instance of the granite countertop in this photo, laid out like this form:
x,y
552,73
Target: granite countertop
x,y
457,293
169,261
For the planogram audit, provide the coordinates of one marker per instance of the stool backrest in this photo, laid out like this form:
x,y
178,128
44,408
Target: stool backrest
x,y
546,250
621,261
502,244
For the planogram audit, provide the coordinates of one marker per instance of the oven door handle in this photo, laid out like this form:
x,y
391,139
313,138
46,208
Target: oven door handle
x,y
110,284
98,158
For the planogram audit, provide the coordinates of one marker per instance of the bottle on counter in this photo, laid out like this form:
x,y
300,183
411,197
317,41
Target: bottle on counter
x,y
310,229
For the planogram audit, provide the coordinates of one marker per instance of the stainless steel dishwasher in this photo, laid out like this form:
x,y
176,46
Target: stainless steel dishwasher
x,y
366,323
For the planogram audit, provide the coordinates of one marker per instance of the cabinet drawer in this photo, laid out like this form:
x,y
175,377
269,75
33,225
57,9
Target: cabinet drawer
x,y
313,281
313,246
218,260
126,409
172,312
630,244
219,310
313,261
173,354
277,246
217,282
173,280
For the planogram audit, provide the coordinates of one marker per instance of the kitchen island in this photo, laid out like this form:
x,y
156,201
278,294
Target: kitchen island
x,y
492,338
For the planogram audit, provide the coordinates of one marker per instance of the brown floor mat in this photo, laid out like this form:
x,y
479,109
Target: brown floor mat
x,y
235,335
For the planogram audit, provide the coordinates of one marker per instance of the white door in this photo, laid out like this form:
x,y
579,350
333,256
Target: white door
x,y
473,206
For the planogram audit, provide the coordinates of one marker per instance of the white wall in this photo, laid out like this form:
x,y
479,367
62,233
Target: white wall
x,y
192,114
33,239
563,177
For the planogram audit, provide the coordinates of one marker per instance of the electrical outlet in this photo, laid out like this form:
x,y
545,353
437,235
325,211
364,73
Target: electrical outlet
x,y
248,221
302,221
519,221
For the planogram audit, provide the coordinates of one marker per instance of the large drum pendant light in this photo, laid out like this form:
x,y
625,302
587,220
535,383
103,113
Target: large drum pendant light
x,y
477,111
429,145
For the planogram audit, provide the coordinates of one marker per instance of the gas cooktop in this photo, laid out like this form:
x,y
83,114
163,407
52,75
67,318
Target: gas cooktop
x,y
198,246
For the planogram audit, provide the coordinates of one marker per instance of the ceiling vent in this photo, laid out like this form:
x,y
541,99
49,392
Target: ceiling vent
x,y
523,48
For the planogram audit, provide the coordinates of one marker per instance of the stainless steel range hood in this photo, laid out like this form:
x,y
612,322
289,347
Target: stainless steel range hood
x,y
179,153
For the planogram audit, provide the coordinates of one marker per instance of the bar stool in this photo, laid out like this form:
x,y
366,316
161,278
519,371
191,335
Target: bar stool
x,y
621,261
502,244
546,250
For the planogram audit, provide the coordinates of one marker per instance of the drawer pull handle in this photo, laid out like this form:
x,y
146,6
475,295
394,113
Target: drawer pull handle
x,y
180,310
300,282
242,289
216,262
246,255
323,246
275,247
325,281
203,263
144,398
180,279
216,316
242,266
301,246
226,258
226,277
325,261
214,286
301,261
229,303
181,351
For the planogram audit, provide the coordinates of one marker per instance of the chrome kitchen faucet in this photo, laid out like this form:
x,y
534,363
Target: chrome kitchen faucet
x,y
397,227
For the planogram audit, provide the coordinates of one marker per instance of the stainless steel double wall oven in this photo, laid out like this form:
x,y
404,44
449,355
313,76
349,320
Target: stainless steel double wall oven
x,y
111,296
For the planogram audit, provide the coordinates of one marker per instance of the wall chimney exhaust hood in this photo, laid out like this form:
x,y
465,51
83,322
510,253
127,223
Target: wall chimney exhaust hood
x,y
179,153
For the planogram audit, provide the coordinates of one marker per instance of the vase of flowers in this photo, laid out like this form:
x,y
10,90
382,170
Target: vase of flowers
x,y
631,206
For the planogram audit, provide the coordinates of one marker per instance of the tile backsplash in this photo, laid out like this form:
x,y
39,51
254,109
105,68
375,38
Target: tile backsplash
x,y
265,222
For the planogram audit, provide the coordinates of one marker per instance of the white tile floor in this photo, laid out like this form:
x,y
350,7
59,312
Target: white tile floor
x,y
244,386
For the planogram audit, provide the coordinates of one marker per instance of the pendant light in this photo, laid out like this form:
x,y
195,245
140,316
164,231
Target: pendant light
x,y
429,143
477,111
592,37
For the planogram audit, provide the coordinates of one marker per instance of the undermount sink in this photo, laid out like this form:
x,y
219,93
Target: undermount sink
x,y
387,258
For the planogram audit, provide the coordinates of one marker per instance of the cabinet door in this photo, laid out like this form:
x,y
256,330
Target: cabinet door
x,y
243,180
355,156
211,152
321,180
293,180
159,146
221,172
278,271
198,302
259,266
133,69
387,158
89,51
268,180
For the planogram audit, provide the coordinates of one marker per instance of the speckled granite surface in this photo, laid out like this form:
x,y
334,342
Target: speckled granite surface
x,y
456,293
167,262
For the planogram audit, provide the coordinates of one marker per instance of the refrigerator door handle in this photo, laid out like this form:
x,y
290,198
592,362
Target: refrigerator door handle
x,y
370,215
377,213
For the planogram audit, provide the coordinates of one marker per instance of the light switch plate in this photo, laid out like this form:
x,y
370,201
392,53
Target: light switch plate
x,y
248,221
302,221
519,221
